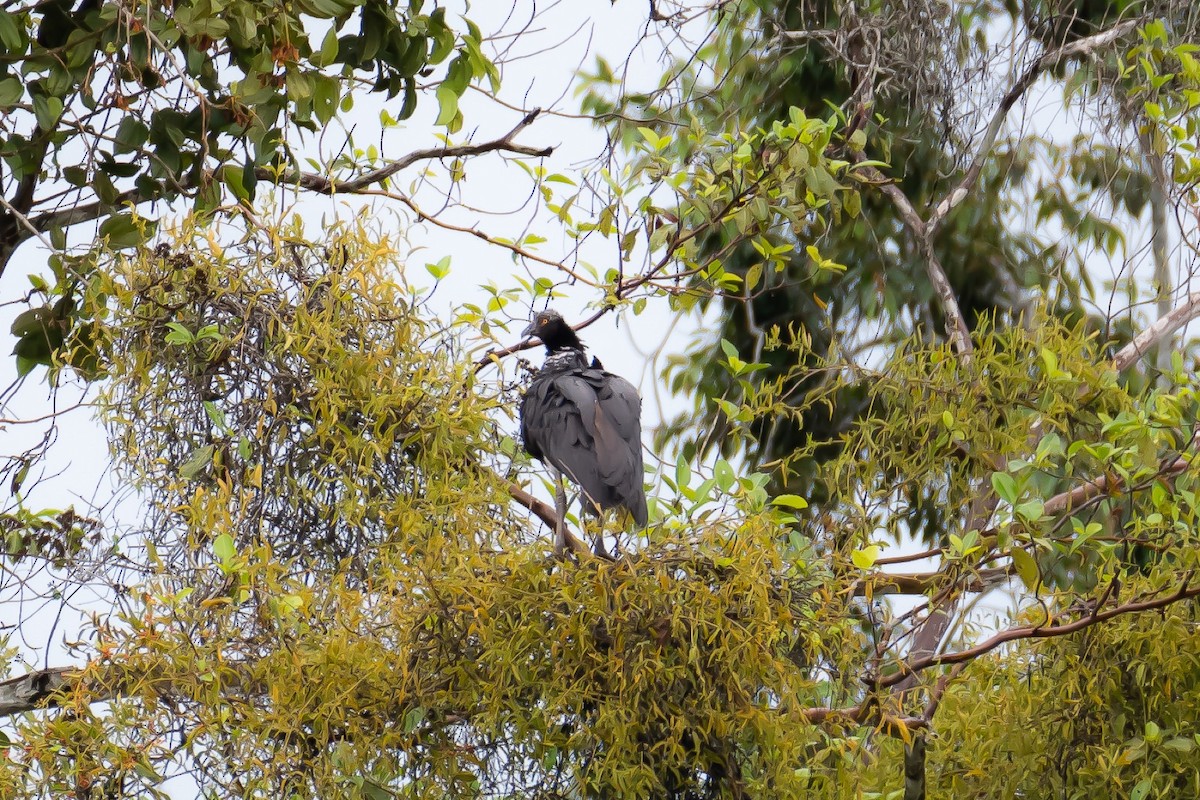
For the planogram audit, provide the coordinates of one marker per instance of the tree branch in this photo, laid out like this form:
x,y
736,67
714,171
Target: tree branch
x,y
40,689
1164,326
322,185
909,668
546,514
1080,47
956,324
921,582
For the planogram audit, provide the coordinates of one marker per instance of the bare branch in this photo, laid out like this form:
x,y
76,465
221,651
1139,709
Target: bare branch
x,y
908,669
956,324
1164,326
1080,47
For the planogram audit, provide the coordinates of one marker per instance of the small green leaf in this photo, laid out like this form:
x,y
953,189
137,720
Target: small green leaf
x,y
1026,567
1005,486
413,719
224,549
724,475
47,109
683,471
447,99
122,231
11,36
1050,361
200,459
329,48
866,557
790,501
11,91
179,335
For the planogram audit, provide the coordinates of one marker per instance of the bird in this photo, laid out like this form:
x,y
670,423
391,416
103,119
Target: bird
x,y
585,424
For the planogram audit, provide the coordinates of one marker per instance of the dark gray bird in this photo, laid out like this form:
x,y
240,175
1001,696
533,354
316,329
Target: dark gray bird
x,y
584,423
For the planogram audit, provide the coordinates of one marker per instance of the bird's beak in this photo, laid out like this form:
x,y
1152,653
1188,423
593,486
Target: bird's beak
x,y
530,330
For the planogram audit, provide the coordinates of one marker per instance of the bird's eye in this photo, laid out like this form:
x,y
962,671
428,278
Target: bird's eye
x,y
542,320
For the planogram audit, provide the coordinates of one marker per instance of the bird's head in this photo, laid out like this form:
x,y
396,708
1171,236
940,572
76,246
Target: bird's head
x,y
553,330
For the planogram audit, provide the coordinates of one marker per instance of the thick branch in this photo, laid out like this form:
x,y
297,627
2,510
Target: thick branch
x,y
1164,326
922,582
40,689
546,514
1080,47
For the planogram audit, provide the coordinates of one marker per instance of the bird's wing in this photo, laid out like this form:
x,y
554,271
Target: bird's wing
x,y
619,437
558,422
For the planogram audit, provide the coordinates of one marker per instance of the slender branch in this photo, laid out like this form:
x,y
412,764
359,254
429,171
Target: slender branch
x,y
909,668
956,324
1080,47
323,185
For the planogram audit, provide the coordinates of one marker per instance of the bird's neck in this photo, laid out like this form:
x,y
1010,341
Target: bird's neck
x,y
564,357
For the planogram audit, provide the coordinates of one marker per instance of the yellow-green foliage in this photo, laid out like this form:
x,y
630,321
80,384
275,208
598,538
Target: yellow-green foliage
x,y
332,596
296,394
340,601
1112,711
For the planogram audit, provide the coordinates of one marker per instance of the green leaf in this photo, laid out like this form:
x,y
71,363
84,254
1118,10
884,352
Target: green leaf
x,y
47,109
448,102
121,231
329,48
790,501
11,91
132,135
326,94
724,475
178,334
11,36
224,549
199,460
683,471
1142,789
413,719
215,415
1027,568
439,270
1005,486
1050,361
866,557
